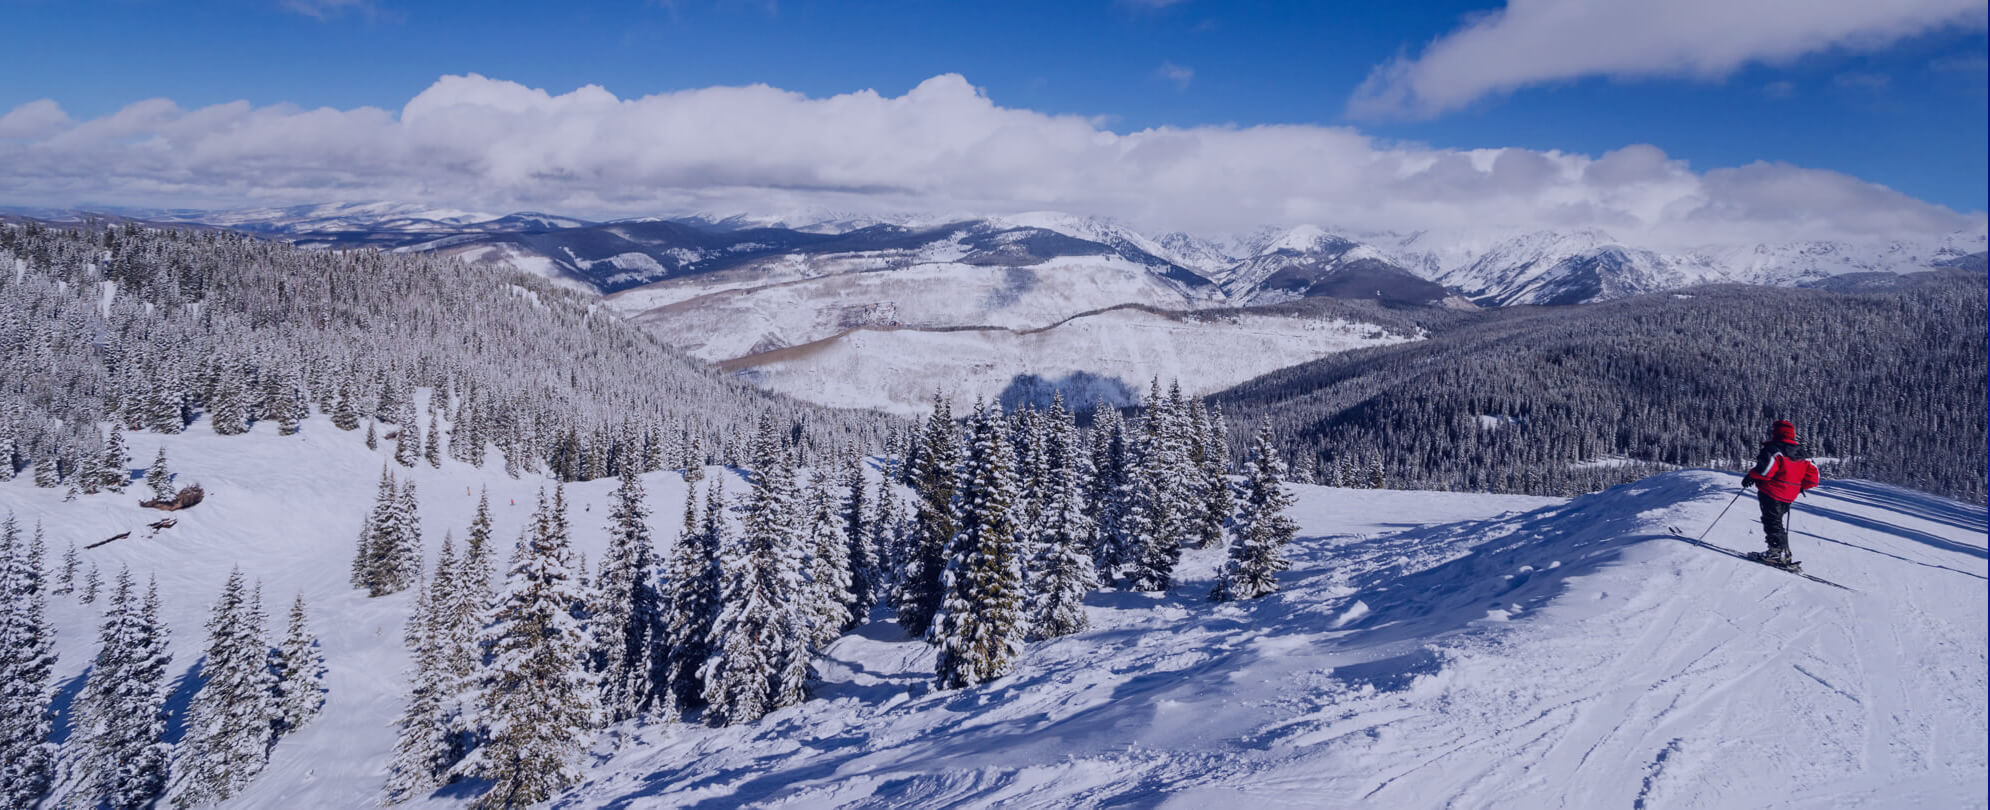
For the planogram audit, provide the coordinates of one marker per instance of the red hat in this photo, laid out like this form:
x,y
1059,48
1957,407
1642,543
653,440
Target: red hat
x,y
1783,431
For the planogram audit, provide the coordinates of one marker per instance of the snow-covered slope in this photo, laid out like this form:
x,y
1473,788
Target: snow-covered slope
x,y
1573,267
1428,650
1110,354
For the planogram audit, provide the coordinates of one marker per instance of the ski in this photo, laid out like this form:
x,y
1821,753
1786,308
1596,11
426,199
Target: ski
x,y
1743,556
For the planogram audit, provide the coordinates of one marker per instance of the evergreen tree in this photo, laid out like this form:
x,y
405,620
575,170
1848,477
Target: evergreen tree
x,y
407,437
980,626
424,742
346,417
91,584
538,702
827,597
1104,493
121,712
65,582
1263,529
858,539
627,608
372,436
920,591
158,479
684,643
115,469
758,644
1212,462
232,718
887,536
473,579
1062,572
381,564
300,673
431,450
228,407
27,658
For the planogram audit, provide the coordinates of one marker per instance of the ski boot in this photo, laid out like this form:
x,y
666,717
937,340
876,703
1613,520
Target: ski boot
x,y
1778,557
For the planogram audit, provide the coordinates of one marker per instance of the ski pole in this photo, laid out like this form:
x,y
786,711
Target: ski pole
x,y
1717,518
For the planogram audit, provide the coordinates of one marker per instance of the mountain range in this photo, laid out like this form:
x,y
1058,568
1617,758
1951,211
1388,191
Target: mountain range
x,y
862,311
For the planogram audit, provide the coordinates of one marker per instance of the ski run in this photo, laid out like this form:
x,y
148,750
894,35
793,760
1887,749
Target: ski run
x,y
1424,649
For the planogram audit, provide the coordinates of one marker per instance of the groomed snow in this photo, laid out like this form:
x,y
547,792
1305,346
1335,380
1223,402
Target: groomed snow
x,y
1428,650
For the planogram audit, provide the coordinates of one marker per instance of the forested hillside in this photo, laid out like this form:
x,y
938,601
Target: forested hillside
x,y
153,328
1562,400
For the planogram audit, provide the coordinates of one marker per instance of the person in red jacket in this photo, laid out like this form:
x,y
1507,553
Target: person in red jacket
x,y
1782,471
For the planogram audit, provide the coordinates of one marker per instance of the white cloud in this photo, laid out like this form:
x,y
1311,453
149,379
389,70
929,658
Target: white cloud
x,y
34,119
326,9
1539,41
1178,74
944,146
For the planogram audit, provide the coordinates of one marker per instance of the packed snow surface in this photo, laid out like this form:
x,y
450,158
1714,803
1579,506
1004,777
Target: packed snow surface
x,y
1427,650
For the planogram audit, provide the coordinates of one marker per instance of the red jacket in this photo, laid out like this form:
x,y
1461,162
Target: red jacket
x,y
1782,476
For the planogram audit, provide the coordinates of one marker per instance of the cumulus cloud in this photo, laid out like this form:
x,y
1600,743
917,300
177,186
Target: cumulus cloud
x,y
944,146
1178,74
1537,41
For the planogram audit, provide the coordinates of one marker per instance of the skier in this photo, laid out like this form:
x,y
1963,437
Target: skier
x,y
1782,471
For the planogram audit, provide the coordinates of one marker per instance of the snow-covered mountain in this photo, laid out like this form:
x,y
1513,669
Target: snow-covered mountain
x,y
1427,649
1309,262
1261,266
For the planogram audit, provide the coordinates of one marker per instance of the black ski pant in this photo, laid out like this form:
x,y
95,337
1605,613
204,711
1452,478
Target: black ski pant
x,y
1775,521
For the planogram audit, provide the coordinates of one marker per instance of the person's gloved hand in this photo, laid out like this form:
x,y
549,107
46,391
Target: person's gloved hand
x,y
1747,483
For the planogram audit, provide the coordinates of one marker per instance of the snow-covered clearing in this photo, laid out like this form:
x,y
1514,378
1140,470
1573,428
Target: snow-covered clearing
x,y
1429,649
1112,354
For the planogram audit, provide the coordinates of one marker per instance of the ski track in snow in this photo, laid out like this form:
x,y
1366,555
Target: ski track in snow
x,y
1428,650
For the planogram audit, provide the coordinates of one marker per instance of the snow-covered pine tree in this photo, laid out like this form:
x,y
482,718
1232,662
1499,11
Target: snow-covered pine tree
x,y
431,450
477,568
1212,486
759,634
372,436
227,405
1104,493
121,712
920,591
858,540
980,625
115,468
92,582
538,702
231,719
65,582
27,659
1062,572
1263,529
379,540
407,560
158,479
1161,499
826,597
684,643
887,536
300,673
626,609
344,415
407,437
424,741
46,474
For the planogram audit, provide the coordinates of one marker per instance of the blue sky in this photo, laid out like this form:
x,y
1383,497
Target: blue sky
x,y
1909,114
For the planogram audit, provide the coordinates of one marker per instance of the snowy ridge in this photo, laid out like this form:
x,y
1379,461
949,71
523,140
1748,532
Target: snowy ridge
x,y
1427,650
